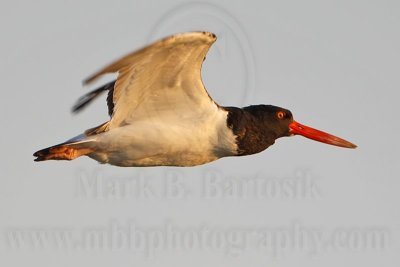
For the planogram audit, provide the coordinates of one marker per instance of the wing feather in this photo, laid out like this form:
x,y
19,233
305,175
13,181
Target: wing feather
x,y
161,81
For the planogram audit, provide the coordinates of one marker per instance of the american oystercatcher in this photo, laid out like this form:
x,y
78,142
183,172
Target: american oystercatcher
x,y
161,114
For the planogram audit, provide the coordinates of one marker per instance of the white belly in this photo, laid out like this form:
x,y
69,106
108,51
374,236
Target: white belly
x,y
167,143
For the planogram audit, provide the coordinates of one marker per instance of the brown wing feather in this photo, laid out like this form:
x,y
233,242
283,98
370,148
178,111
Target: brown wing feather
x,y
160,81
98,129
138,55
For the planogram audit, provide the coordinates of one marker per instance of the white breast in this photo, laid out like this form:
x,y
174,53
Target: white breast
x,y
173,141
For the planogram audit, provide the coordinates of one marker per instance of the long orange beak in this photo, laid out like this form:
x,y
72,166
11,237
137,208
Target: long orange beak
x,y
314,134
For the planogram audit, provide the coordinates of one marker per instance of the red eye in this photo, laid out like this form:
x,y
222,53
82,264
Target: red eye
x,y
280,115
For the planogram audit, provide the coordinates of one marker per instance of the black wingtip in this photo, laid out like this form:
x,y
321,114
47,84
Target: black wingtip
x,y
85,100
89,97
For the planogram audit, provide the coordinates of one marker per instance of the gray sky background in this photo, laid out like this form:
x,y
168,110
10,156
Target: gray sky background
x,y
334,64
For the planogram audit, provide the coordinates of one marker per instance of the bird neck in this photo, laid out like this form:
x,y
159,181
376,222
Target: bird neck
x,y
252,135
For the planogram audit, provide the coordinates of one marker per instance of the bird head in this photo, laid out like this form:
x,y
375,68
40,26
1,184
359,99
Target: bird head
x,y
281,122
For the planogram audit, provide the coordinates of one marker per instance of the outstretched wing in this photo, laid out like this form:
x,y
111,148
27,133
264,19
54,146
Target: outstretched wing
x,y
161,81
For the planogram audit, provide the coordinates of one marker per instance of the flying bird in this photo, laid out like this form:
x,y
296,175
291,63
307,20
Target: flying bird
x,y
161,114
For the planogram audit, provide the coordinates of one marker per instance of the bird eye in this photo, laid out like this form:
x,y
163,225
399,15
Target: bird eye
x,y
280,115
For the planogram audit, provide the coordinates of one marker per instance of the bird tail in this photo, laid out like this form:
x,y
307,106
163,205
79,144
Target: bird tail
x,y
64,151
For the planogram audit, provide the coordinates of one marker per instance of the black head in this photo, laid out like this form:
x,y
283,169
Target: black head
x,y
275,120
257,127
281,123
